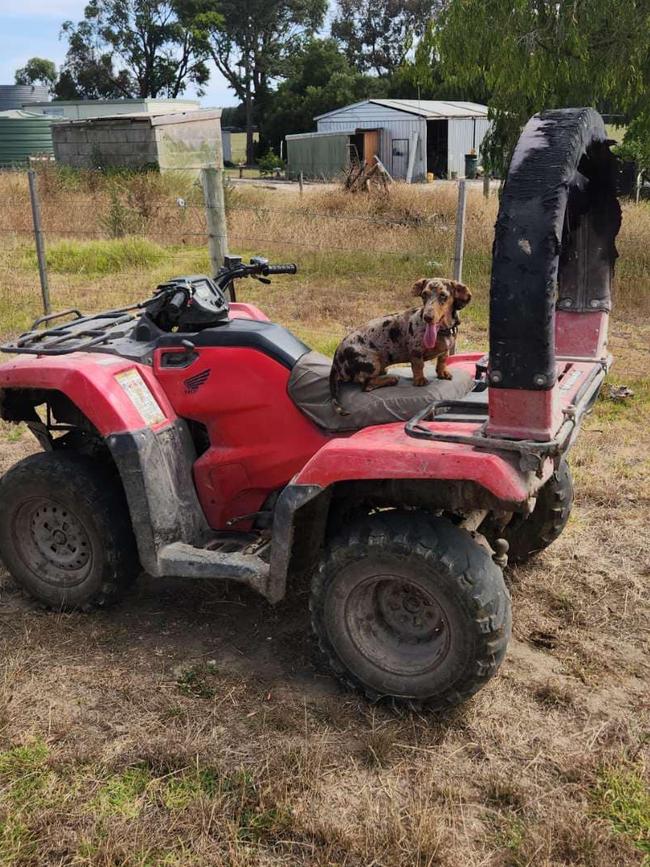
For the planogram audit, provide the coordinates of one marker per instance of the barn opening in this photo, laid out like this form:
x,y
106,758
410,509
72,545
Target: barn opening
x,y
437,147
364,146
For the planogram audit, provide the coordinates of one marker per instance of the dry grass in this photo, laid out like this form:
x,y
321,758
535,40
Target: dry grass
x,y
191,726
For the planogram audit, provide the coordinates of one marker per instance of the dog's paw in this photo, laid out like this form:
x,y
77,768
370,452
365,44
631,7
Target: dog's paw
x,y
420,381
444,374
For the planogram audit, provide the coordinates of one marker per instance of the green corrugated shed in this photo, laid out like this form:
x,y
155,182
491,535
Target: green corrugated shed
x,y
317,154
24,134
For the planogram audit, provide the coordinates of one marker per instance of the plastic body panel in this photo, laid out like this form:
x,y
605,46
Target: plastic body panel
x,y
260,441
89,381
258,438
386,452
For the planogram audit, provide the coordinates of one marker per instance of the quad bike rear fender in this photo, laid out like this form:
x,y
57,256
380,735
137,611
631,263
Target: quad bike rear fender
x,y
384,467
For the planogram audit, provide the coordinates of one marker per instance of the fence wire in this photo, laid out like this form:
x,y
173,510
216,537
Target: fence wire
x,y
98,206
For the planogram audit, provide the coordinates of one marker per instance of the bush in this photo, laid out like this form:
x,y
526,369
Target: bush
x,y
268,163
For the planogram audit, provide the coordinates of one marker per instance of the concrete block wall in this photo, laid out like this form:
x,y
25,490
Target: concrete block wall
x,y
88,146
171,142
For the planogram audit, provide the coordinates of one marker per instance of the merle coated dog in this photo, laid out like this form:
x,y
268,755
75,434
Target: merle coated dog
x,y
417,335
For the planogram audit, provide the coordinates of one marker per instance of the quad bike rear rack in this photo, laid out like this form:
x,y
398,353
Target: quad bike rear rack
x,y
532,454
82,333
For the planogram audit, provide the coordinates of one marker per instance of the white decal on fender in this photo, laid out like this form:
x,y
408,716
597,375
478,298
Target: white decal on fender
x,y
138,392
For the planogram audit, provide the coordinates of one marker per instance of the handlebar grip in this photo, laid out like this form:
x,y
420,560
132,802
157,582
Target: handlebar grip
x,y
281,269
177,301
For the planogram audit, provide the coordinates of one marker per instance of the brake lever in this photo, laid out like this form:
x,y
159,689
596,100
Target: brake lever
x,y
264,280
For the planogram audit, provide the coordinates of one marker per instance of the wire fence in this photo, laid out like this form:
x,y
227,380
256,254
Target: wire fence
x,y
326,227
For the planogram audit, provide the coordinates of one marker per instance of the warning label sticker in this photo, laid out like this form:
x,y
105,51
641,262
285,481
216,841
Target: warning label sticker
x,y
140,396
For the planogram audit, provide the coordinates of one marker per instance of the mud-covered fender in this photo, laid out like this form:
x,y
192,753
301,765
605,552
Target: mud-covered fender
x,y
382,464
104,388
386,452
151,448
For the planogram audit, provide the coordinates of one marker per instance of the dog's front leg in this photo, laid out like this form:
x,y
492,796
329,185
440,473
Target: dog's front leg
x,y
417,366
442,370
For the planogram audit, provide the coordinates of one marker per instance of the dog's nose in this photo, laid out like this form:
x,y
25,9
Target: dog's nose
x,y
428,317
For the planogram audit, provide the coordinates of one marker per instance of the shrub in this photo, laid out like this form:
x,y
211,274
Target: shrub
x,y
268,163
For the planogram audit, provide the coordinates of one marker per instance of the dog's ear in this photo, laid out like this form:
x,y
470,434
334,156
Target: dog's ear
x,y
462,295
419,286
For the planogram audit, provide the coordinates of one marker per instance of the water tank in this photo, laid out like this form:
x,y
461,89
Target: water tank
x,y
24,134
17,95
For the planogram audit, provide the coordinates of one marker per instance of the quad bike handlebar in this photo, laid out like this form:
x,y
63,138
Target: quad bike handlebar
x,y
259,268
194,302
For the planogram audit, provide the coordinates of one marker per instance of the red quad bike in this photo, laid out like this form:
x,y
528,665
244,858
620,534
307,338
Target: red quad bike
x,y
189,436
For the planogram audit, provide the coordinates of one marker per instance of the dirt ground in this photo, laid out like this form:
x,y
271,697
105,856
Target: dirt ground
x,y
183,680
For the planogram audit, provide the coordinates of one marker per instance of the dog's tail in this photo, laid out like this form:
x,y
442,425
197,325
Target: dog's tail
x,y
335,385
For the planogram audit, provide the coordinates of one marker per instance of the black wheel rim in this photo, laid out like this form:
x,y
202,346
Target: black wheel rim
x,y
52,542
399,626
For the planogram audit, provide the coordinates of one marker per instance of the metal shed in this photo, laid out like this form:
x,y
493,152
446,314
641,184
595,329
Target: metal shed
x,y
411,137
317,154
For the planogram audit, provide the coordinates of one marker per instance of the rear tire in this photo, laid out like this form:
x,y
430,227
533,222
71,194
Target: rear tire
x,y
527,535
410,607
65,531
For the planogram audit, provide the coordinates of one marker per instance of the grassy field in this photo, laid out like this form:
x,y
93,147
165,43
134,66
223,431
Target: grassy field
x,y
192,726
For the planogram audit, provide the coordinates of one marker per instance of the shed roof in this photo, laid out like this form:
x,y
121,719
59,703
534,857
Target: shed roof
x,y
429,108
19,114
46,103
151,117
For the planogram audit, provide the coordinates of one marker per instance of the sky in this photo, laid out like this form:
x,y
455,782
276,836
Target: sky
x,y
30,28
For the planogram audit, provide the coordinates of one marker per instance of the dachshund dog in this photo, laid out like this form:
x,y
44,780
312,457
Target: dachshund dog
x,y
417,335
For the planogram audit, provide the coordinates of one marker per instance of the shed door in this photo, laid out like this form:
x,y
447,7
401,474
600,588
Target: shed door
x,y
400,158
370,145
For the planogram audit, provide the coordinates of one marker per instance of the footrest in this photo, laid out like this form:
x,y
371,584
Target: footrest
x,y
181,560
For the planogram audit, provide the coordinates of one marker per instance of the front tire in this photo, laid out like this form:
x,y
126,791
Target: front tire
x,y
410,607
65,532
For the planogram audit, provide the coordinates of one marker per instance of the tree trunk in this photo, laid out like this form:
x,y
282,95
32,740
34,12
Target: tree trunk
x,y
250,143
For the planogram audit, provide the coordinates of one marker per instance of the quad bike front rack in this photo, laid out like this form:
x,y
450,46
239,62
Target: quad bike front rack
x,y
81,334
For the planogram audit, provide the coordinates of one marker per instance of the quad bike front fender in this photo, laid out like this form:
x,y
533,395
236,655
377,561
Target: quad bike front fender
x,y
150,447
104,389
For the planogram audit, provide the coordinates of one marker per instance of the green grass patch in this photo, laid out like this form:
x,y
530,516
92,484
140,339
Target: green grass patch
x,y
98,258
180,791
198,681
24,773
611,408
123,794
623,798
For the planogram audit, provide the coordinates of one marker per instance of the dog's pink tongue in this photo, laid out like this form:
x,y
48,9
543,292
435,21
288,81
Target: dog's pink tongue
x,y
430,335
